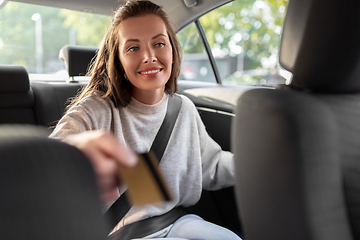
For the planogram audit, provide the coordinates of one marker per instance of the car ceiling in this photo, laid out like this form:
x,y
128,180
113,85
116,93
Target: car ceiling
x,y
180,14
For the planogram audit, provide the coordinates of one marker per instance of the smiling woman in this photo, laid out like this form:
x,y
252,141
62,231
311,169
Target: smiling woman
x,y
221,39
146,56
133,84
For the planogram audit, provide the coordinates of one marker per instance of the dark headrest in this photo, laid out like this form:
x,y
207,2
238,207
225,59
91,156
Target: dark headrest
x,y
320,45
13,79
77,59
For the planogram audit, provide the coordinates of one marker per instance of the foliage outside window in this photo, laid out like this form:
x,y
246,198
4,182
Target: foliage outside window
x,y
244,37
59,27
195,64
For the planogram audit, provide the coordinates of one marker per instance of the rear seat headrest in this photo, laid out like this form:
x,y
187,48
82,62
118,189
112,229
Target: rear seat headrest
x,y
320,45
77,59
14,79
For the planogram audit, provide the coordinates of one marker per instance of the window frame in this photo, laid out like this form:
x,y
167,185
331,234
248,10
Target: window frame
x,y
212,60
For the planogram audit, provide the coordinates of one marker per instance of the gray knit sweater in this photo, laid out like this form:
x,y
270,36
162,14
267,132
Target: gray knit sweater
x,y
192,160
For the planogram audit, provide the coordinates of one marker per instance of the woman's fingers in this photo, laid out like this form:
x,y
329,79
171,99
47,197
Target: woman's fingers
x,y
106,154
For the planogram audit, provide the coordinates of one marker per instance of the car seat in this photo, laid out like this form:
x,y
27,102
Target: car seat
x,y
16,96
297,148
47,189
77,59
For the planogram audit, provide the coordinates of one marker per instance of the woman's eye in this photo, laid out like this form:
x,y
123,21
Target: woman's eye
x,y
160,44
133,49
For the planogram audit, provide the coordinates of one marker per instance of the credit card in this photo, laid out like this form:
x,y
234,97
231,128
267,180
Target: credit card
x,y
145,181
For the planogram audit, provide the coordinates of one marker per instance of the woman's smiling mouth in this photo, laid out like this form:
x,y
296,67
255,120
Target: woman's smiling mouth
x,y
150,72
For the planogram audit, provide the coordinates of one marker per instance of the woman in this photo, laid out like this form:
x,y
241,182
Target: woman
x,y
132,79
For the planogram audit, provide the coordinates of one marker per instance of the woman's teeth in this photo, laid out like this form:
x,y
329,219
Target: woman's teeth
x,y
151,72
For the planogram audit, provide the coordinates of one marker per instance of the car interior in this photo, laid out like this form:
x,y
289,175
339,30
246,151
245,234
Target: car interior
x,y
42,104
296,147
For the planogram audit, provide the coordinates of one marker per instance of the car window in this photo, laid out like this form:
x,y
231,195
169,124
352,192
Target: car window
x,y
244,37
195,63
32,35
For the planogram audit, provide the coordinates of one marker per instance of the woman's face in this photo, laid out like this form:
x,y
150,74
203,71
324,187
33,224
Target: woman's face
x,y
146,55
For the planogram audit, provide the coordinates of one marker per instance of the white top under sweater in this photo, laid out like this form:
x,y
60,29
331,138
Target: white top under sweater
x,y
192,160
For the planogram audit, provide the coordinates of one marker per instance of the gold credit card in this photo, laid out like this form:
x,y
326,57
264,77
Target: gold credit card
x,y
145,182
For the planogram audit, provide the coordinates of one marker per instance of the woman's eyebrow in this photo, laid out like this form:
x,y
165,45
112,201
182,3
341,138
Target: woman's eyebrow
x,y
137,40
132,40
159,35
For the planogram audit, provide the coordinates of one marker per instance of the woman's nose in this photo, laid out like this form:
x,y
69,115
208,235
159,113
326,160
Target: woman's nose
x,y
149,56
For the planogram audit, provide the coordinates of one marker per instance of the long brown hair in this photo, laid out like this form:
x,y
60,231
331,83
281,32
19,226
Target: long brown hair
x,y
107,76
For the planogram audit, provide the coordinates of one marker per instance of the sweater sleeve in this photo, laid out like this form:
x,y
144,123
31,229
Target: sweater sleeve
x,y
217,165
83,116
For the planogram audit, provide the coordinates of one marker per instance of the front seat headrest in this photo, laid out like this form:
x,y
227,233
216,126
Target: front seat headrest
x,y
77,59
322,50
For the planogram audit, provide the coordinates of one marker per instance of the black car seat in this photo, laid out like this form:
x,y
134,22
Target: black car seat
x,y
51,100
47,189
297,148
36,103
77,59
16,97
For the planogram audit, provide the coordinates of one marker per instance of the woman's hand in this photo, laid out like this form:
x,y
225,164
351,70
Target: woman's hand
x,y
106,154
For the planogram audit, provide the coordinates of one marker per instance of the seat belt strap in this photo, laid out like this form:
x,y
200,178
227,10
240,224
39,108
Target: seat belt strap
x,y
121,206
162,137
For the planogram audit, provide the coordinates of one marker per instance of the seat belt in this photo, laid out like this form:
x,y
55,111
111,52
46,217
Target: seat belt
x,y
121,206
